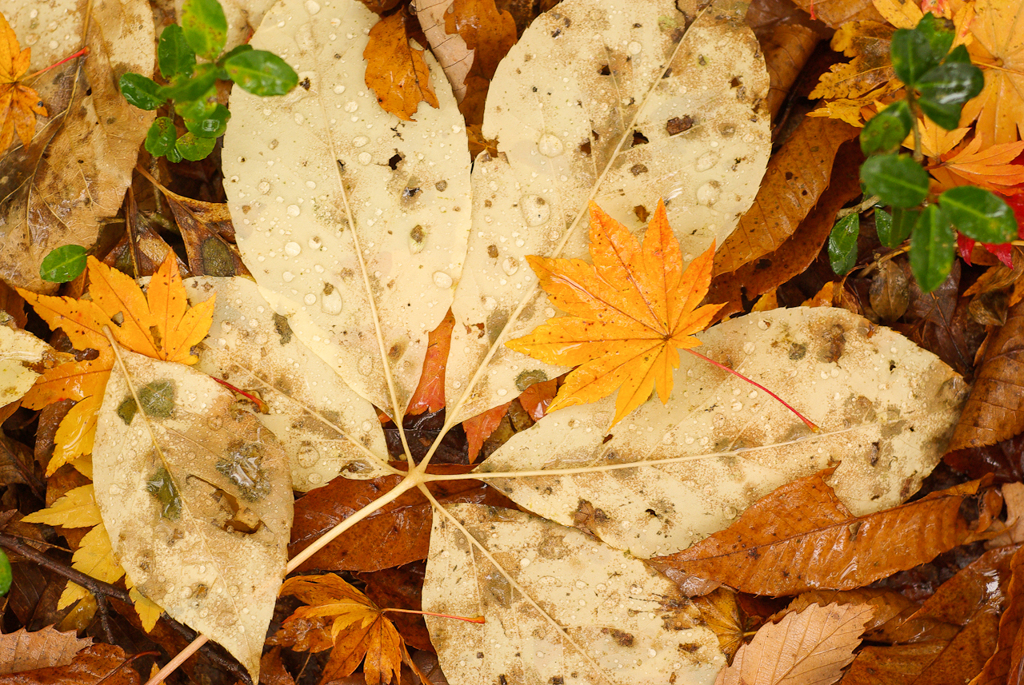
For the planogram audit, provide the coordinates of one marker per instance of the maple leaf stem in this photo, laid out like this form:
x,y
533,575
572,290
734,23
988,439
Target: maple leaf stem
x,y
260,404
476,619
180,658
810,424
81,53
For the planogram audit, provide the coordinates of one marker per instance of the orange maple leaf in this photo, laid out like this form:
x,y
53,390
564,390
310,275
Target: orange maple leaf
x,y
630,313
359,630
990,168
158,324
19,104
997,48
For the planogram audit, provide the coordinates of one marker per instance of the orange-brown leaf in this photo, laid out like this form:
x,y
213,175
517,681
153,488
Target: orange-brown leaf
x,y
630,312
988,168
429,395
395,71
804,528
998,48
480,427
1004,666
24,651
19,104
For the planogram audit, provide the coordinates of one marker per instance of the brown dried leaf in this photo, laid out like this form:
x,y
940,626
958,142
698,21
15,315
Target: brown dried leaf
x,y
786,50
272,671
812,646
793,526
1004,666
24,651
393,535
395,71
890,292
889,606
429,394
797,176
837,12
450,49
995,408
401,588
722,614
207,232
93,665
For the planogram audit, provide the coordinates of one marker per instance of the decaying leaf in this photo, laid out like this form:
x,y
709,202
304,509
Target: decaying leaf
x,y
674,474
996,48
45,648
448,47
22,357
429,394
324,427
1005,663
635,108
19,104
866,78
786,528
98,664
59,189
365,244
196,495
558,606
990,168
629,314
395,70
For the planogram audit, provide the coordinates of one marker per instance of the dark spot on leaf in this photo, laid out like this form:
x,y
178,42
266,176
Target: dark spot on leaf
x,y
217,259
638,169
736,82
242,465
679,124
701,60
305,83
604,70
162,488
441,186
797,351
492,251
395,160
585,148
282,328
621,637
527,378
639,139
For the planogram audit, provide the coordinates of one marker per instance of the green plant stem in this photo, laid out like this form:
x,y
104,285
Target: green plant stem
x,y
916,128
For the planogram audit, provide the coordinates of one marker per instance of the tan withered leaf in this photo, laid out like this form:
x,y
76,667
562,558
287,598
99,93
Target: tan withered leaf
x,y
797,175
359,628
837,12
890,607
1004,666
789,528
95,665
24,651
395,71
812,646
995,407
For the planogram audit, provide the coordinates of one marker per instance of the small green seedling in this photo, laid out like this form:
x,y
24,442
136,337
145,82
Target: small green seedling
x,y
939,81
6,575
63,264
192,85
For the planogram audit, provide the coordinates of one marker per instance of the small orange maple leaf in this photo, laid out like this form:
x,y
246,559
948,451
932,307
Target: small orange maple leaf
x,y
988,167
630,313
158,324
359,630
19,104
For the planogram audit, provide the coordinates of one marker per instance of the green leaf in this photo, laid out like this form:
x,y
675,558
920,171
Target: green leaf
x,y
193,148
140,91
205,27
261,73
979,214
887,129
174,55
959,54
945,89
897,179
938,31
237,50
894,228
187,89
173,155
6,576
211,126
63,264
161,136
931,248
912,55
196,110
842,244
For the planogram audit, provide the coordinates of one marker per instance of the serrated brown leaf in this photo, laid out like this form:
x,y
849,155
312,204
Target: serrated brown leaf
x,y
272,670
797,175
401,588
24,651
995,407
1004,666
804,528
837,12
393,535
787,47
889,606
807,648
96,664
722,614
395,71
488,35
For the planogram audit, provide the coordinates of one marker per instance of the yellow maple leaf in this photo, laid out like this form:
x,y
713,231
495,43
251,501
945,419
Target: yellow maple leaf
x,y
359,630
988,168
158,324
998,48
19,104
630,313
869,75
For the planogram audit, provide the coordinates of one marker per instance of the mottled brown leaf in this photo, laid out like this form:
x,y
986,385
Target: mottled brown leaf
x,y
889,606
1004,666
93,665
836,12
24,651
803,528
401,588
395,71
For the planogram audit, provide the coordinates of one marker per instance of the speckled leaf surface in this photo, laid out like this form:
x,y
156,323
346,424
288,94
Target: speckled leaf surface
x,y
196,496
353,222
617,102
559,607
20,351
885,407
326,429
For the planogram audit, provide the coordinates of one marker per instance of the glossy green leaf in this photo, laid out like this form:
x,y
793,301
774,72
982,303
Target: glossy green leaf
x,y
174,55
959,54
161,136
887,129
6,575
205,27
212,125
894,228
896,179
842,244
237,50
945,89
63,264
173,155
188,89
979,214
931,248
938,31
912,55
140,91
193,148
261,73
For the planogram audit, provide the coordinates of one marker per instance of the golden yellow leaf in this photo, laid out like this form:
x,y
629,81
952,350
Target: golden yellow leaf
x,y
630,313
998,48
76,509
868,76
395,71
19,104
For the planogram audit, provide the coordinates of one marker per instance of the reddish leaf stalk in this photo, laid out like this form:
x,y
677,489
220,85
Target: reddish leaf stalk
x,y
81,53
709,360
475,619
260,404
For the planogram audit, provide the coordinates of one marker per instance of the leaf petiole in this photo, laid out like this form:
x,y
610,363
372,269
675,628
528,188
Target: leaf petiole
x,y
81,53
475,619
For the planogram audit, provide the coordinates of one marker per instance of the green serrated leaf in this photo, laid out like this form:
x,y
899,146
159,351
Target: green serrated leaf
x,y
897,179
141,92
204,26
931,248
959,54
842,244
193,148
261,73
945,89
63,264
174,55
887,129
6,575
212,125
912,55
979,214
161,136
